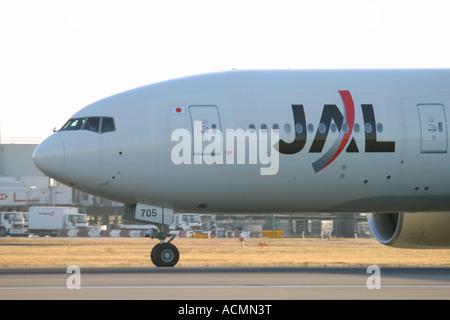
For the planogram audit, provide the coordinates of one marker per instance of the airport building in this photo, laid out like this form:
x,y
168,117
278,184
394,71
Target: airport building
x,y
22,185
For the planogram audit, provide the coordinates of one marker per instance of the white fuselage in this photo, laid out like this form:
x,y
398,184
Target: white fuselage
x,y
350,141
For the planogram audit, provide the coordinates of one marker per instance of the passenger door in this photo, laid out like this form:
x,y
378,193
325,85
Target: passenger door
x,y
433,128
208,116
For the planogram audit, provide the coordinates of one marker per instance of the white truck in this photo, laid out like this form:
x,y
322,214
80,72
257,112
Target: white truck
x,y
12,224
186,221
51,220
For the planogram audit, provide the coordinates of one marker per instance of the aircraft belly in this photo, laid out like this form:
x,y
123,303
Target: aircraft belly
x,y
411,203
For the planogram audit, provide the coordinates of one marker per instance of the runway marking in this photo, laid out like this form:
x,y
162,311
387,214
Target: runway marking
x,y
230,287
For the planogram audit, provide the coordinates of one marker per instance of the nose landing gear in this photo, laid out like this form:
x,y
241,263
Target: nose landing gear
x,y
164,254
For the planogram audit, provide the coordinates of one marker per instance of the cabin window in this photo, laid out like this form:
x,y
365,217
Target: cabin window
x,y
379,127
287,128
345,128
333,127
322,128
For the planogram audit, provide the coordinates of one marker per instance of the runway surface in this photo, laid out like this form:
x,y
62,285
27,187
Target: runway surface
x,y
225,283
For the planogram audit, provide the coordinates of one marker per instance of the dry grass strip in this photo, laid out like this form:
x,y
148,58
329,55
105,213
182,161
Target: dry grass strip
x,y
134,252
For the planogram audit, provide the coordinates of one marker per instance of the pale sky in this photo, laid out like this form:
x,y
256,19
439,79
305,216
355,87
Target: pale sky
x,y
58,56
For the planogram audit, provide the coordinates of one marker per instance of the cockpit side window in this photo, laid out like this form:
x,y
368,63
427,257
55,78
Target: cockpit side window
x,y
92,124
74,124
108,124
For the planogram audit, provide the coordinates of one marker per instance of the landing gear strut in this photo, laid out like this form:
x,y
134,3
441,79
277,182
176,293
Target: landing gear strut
x,y
164,254
159,214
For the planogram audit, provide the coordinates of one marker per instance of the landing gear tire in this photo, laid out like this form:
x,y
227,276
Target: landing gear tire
x,y
165,255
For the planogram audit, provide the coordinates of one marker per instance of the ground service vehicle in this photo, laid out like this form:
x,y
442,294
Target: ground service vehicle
x,y
13,224
186,221
51,220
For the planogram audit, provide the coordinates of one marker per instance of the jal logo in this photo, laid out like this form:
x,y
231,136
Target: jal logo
x,y
344,123
211,146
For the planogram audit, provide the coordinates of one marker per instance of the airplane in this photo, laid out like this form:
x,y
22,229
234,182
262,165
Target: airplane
x,y
265,141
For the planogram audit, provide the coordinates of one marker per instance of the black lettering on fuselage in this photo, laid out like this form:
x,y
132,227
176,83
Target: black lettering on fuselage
x,y
372,145
300,135
332,113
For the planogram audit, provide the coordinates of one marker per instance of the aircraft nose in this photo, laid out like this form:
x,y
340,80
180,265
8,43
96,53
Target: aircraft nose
x,y
49,156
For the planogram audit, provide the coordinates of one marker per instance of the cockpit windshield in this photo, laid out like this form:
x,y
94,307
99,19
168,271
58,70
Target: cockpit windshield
x,y
108,125
74,124
94,124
